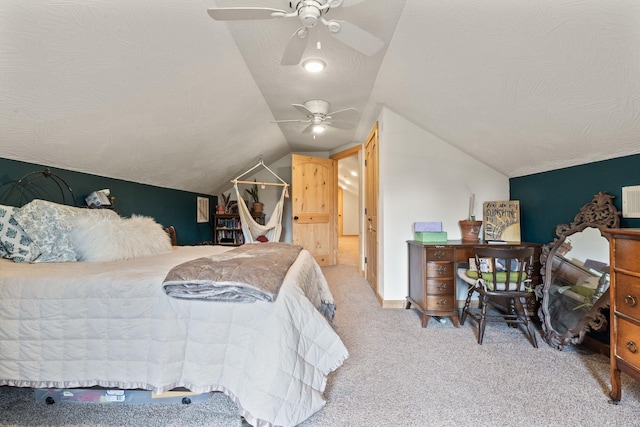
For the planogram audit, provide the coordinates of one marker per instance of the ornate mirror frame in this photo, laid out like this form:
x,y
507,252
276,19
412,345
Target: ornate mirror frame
x,y
600,213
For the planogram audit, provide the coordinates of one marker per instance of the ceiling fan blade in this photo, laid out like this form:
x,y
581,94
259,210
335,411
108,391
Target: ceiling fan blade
x,y
357,38
340,125
342,111
291,121
303,109
295,48
243,13
347,3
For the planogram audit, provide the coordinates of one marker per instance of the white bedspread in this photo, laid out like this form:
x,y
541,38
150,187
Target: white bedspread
x,y
112,325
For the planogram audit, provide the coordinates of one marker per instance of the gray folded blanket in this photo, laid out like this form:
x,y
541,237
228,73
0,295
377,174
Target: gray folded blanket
x,y
247,273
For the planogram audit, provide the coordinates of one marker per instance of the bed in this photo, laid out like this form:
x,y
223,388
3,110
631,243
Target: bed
x,y
110,323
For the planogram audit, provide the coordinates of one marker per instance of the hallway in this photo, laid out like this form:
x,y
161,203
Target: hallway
x,y
348,250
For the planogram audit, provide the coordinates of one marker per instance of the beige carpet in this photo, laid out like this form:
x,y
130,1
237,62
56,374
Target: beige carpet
x,y
399,374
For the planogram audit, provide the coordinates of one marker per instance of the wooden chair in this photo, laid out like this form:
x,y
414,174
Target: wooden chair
x,y
506,287
171,231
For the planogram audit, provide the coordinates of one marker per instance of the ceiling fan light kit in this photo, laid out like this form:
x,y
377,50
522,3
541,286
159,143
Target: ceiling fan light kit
x,y
314,65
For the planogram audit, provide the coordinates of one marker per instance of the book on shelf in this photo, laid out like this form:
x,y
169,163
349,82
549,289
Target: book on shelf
x,y
501,221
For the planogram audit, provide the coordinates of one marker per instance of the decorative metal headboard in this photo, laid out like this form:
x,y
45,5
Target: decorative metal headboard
x,y
30,187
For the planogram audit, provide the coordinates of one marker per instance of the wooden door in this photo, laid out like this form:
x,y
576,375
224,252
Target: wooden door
x,y
313,205
371,207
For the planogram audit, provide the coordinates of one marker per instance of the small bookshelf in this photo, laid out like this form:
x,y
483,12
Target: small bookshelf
x,y
227,229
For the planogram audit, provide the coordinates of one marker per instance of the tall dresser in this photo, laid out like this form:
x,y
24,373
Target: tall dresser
x,y
625,306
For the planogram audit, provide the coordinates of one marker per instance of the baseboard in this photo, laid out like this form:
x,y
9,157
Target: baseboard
x,y
394,303
474,303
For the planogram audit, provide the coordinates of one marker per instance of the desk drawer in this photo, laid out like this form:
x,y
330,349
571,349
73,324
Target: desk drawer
x,y
440,302
628,342
628,295
440,286
437,269
626,252
439,254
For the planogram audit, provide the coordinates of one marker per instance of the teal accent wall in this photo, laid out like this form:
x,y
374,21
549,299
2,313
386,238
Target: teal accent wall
x,y
167,206
554,197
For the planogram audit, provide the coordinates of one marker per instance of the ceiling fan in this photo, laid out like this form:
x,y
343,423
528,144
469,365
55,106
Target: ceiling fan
x,y
309,12
318,116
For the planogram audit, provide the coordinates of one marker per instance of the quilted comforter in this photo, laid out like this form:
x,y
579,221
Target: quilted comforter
x,y
112,325
250,272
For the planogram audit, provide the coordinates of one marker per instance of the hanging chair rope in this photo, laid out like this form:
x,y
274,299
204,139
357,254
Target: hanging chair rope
x,y
251,229
260,163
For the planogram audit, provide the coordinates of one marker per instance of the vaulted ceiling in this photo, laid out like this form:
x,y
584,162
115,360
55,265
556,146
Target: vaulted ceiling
x,y
158,92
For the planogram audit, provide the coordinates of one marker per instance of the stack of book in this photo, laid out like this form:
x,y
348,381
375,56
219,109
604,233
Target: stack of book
x,y
429,232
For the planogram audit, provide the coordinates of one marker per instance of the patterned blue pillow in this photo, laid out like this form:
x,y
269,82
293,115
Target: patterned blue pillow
x,y
48,225
14,242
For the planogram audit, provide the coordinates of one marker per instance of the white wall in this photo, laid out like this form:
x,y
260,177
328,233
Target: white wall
x,y
423,178
350,214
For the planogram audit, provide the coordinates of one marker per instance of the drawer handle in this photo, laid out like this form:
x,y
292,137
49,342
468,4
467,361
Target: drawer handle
x,y
441,286
630,300
443,303
442,270
439,255
632,347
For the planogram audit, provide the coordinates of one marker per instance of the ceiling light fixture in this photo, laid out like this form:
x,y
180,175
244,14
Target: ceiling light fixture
x,y
318,129
314,65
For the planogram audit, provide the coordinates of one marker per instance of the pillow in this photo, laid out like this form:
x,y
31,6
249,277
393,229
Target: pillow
x,y
47,224
114,239
583,290
589,282
14,242
501,277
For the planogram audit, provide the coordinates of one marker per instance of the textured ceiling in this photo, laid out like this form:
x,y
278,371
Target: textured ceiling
x,y
158,92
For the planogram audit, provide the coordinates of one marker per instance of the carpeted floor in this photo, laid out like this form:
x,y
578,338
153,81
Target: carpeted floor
x,y
399,374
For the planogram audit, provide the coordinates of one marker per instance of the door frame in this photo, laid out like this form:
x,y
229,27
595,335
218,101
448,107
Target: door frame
x,y
371,207
356,150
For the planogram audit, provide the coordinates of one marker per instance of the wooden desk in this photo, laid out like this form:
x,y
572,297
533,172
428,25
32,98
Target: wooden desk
x,y
432,275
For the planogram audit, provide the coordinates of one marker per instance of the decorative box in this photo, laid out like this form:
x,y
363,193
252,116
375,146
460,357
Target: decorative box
x,y
430,236
427,226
